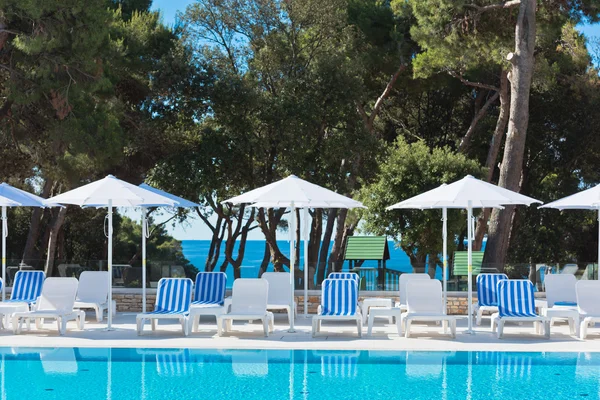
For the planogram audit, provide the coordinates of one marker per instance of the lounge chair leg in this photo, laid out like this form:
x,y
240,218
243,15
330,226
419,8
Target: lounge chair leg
x,y
407,328
370,325
583,329
219,326
140,325
494,325
271,323
265,322
359,326
15,324
500,329
453,329
196,322
99,313
314,327
445,326
479,316
153,323
399,326
547,330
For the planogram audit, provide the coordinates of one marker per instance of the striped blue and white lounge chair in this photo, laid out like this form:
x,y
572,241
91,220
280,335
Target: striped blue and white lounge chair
x,y
209,296
339,302
516,303
345,275
27,287
487,300
173,300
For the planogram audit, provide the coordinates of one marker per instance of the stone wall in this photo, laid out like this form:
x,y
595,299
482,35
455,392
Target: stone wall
x,y
130,300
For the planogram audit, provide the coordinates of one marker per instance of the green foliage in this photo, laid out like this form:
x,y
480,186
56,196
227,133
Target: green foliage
x,y
406,171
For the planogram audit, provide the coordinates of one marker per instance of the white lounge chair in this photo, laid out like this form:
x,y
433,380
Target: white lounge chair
x,y
516,303
173,299
280,293
209,296
248,303
487,299
588,304
93,293
56,302
425,304
339,302
403,281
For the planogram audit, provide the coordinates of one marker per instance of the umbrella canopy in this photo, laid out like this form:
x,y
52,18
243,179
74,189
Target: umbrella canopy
x,y
467,193
12,197
297,192
293,192
179,202
585,200
111,192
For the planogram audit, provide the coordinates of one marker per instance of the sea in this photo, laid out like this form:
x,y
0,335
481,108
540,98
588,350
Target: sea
x,y
196,251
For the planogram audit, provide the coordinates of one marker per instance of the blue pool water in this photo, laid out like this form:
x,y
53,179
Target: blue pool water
x,y
165,374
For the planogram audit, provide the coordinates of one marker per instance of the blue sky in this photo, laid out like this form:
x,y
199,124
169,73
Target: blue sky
x,y
196,229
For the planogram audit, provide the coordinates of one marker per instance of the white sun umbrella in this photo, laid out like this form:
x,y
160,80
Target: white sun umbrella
x,y
110,192
585,200
12,197
293,192
178,203
467,193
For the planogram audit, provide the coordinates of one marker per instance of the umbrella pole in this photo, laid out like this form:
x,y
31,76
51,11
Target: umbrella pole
x,y
292,227
110,254
445,256
592,271
144,236
4,228
305,228
470,267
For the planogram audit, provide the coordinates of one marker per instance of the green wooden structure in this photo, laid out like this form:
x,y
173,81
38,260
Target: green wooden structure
x,y
363,248
460,266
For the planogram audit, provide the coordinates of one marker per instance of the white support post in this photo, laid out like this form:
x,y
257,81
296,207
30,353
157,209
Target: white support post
x,y
110,254
292,228
144,237
305,231
445,256
4,234
470,268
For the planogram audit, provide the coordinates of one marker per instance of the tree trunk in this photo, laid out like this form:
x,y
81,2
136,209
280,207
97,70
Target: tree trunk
x,y
322,267
265,261
56,224
314,244
512,162
492,156
432,265
35,226
335,261
417,261
269,229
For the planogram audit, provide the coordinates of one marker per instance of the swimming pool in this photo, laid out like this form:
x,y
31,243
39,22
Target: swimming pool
x,y
92,373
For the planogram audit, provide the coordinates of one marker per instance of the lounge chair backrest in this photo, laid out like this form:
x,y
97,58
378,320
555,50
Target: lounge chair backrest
x,y
424,296
339,297
345,275
27,286
210,288
58,294
515,298
173,296
93,287
486,288
249,296
279,287
404,279
560,290
588,297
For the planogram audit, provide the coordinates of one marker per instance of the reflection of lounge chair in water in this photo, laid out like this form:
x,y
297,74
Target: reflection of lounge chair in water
x,y
338,364
59,361
420,364
169,362
249,362
514,366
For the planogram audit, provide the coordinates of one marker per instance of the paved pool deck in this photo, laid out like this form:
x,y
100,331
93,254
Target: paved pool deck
x,y
334,336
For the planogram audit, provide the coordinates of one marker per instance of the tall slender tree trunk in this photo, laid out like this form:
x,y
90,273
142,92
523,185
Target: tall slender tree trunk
x,y
268,221
56,225
512,161
35,225
265,261
492,155
335,262
314,244
322,267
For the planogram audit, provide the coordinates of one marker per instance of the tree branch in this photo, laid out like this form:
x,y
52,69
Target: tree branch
x,y
386,93
504,4
466,141
474,84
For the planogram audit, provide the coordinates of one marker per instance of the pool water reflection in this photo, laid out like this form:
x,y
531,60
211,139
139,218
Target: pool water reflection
x,y
92,373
